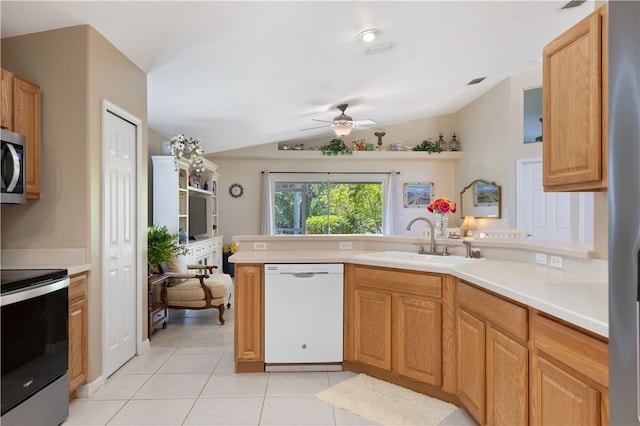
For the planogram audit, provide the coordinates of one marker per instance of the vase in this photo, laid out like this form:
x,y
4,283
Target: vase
x,y
440,227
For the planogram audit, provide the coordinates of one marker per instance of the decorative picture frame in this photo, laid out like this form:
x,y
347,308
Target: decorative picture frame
x,y
417,194
485,195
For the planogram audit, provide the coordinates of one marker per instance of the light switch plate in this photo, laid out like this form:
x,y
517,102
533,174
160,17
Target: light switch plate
x,y
259,246
541,258
345,245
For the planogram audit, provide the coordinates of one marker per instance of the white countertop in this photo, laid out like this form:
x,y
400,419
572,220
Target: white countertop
x,y
581,300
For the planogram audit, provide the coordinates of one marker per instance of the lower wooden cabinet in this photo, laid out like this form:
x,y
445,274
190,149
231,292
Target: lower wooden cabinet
x,y
471,364
249,318
507,378
492,357
77,332
506,363
570,379
417,337
396,322
372,328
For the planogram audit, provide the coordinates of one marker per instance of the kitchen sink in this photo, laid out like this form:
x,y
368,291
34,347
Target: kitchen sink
x,y
415,258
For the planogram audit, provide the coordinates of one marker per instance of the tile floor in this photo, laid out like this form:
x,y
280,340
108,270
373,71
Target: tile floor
x,y
187,378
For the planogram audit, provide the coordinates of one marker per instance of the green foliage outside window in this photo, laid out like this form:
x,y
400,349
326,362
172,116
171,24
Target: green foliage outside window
x,y
328,208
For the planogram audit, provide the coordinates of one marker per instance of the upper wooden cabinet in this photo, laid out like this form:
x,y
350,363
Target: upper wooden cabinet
x,y
574,145
21,113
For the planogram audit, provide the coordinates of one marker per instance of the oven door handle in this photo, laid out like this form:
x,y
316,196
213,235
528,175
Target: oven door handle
x,y
33,292
16,167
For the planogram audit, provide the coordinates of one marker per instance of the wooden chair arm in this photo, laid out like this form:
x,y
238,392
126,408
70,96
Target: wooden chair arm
x,y
208,268
179,275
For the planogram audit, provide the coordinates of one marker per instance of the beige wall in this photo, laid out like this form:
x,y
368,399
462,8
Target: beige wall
x,y
492,130
242,216
76,68
56,61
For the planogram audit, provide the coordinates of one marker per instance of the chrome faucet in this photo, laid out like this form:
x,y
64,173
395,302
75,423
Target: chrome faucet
x,y
468,245
433,236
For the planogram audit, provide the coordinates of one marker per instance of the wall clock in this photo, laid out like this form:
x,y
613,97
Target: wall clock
x,y
236,190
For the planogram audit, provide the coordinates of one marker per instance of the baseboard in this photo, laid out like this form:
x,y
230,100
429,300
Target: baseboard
x,y
89,389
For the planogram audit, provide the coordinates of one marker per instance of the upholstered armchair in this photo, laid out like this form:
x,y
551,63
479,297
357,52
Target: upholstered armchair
x,y
196,286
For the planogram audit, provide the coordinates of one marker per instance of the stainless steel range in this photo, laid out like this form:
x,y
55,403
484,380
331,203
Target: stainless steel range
x,y
34,305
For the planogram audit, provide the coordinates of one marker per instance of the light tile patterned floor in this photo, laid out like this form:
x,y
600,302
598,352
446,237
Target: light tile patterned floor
x,y
187,378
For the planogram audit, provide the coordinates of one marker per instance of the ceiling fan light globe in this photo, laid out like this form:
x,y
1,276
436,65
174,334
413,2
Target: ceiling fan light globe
x,y
342,128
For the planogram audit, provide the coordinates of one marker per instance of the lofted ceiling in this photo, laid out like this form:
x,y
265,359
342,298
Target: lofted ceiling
x,y
242,73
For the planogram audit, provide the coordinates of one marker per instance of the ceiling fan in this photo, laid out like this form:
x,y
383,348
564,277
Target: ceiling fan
x,y
343,124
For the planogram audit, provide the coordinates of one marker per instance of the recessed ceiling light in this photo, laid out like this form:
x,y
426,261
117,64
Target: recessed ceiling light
x,y
368,35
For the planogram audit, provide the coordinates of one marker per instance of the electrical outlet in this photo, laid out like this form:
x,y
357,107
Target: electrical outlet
x,y
425,232
345,245
541,258
555,261
259,246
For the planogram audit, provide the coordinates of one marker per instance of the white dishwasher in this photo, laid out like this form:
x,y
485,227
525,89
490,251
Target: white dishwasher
x,y
303,315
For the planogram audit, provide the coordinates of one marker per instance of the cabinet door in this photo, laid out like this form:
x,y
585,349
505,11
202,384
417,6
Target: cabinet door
x,y
507,380
249,318
574,138
26,121
470,363
372,328
560,398
6,96
417,347
77,332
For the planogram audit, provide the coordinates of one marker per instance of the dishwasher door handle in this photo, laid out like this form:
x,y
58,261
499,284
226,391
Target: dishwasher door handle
x,y
303,274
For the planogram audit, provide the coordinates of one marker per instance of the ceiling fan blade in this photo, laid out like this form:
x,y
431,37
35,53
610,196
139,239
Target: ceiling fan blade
x,y
380,129
317,127
366,122
322,121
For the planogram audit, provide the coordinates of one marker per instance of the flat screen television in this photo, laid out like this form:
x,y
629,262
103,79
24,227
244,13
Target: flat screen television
x,y
197,216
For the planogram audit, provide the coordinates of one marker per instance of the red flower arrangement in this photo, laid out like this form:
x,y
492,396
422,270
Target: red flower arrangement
x,y
442,205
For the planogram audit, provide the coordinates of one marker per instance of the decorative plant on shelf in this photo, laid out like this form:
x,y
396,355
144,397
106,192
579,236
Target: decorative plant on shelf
x,y
429,146
162,246
335,147
181,145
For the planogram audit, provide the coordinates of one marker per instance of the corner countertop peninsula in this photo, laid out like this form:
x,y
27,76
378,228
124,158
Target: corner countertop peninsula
x,y
577,293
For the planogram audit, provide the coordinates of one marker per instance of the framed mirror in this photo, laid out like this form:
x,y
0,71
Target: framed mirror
x,y
481,199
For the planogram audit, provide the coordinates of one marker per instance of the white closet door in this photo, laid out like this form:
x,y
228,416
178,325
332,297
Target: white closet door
x,y
119,285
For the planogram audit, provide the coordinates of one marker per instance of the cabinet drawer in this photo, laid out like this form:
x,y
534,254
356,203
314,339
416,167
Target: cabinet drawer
x,y
157,316
77,288
499,312
577,350
421,284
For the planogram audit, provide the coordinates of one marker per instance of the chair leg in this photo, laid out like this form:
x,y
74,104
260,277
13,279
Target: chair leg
x,y
220,316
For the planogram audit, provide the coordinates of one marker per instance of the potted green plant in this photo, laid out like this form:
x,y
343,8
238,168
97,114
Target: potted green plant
x,y
161,246
335,147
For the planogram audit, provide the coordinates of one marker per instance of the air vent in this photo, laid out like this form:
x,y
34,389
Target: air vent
x,y
380,48
475,81
573,3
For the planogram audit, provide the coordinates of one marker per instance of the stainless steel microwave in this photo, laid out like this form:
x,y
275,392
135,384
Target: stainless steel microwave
x,y
14,190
